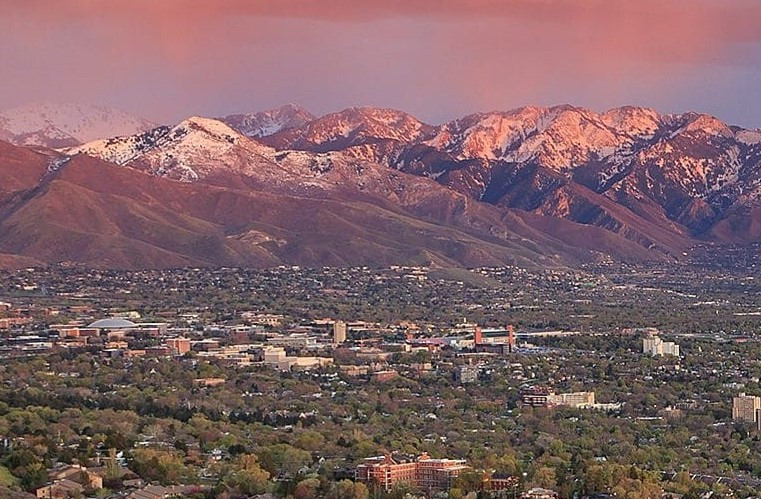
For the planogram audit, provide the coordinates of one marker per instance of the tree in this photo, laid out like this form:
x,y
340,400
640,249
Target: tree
x,y
307,489
544,477
161,466
470,481
346,489
283,458
247,477
310,440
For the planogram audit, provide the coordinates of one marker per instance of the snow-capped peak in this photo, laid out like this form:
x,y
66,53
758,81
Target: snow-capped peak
x,y
62,125
488,135
266,123
187,151
359,123
631,120
211,126
707,124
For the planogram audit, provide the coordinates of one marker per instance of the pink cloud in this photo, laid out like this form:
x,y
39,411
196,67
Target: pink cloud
x,y
437,57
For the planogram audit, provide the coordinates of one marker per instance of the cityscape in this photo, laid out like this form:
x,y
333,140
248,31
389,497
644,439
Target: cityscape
x,y
154,394
380,249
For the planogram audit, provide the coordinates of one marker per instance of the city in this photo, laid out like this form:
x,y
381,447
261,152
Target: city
x,y
380,249
199,381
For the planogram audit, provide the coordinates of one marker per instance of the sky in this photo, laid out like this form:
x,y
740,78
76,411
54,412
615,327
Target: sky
x,y
437,59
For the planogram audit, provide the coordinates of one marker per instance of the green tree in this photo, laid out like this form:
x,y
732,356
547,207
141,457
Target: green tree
x,y
247,476
470,481
346,489
283,458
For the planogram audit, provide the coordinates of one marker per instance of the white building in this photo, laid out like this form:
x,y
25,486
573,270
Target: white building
x,y
276,357
574,399
653,345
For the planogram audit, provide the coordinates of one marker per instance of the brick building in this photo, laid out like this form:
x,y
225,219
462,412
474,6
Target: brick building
x,y
180,346
423,472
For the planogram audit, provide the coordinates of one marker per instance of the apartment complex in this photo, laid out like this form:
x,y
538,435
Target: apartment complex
x,y
746,408
536,396
179,346
542,396
653,345
423,472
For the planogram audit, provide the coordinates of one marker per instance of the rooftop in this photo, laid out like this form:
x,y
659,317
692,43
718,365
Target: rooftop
x,y
112,323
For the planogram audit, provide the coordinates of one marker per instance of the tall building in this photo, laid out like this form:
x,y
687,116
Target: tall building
x,y
180,346
511,338
478,336
339,332
653,345
746,408
670,348
423,472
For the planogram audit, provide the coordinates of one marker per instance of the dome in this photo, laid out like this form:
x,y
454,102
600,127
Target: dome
x,y
112,323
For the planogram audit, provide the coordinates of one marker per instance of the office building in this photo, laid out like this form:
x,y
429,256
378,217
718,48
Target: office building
x,y
339,332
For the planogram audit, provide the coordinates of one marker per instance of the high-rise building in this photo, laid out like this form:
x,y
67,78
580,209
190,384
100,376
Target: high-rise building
x,y
653,345
180,346
670,348
478,336
339,332
511,338
746,408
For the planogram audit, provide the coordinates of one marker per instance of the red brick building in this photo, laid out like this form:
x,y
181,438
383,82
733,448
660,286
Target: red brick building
x,y
425,473
180,346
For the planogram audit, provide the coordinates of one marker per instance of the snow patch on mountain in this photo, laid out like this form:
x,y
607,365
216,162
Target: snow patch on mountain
x,y
360,123
266,123
749,137
487,135
187,151
61,125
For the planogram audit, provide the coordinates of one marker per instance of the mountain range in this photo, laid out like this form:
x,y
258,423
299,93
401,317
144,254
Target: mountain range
x,y
365,186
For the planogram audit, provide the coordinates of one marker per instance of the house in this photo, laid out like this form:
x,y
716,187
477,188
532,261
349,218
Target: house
x,y
539,493
60,489
78,474
160,492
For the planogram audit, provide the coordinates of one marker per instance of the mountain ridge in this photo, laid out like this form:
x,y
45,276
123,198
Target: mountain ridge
x,y
621,153
542,186
64,125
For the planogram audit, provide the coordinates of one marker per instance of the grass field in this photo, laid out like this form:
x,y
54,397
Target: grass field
x,y
6,479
